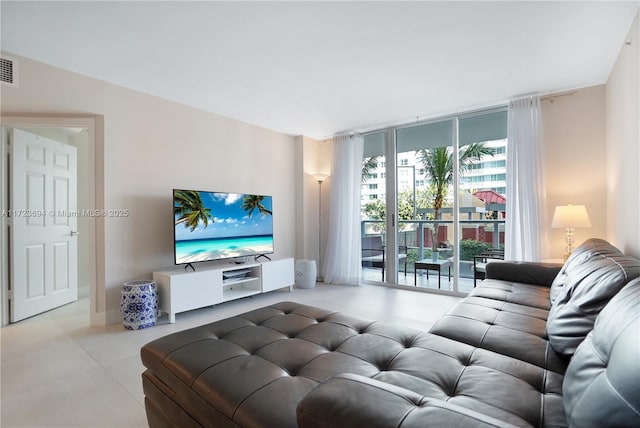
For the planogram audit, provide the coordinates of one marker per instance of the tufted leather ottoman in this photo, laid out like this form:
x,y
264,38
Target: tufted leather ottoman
x,y
253,369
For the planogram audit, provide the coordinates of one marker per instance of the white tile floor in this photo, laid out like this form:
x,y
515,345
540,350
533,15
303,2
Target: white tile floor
x,y
56,371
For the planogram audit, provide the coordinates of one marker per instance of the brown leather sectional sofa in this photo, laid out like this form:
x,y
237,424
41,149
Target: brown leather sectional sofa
x,y
533,345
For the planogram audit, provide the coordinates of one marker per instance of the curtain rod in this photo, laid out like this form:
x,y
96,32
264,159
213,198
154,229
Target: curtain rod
x,y
550,97
498,107
417,121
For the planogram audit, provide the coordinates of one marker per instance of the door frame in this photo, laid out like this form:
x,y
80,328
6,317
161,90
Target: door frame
x,y
95,141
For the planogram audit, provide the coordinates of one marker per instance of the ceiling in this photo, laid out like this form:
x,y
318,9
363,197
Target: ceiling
x,y
320,68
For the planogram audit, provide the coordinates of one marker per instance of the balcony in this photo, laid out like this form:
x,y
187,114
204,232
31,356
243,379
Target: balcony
x,y
416,235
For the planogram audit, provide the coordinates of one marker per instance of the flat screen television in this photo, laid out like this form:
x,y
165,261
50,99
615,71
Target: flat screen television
x,y
216,225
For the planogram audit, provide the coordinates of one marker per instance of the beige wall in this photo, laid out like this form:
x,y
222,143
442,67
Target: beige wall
x,y
79,140
574,149
325,159
623,146
151,146
306,202
592,154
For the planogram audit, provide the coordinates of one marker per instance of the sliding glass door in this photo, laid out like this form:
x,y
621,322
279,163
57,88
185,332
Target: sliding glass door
x,y
482,193
425,154
433,196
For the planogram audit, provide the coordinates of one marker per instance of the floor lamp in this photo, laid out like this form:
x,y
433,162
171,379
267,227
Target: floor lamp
x,y
320,178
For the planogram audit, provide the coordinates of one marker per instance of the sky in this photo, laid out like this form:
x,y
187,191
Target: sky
x,y
230,218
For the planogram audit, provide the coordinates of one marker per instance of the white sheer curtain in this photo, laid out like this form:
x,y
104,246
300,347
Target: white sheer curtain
x,y
525,189
342,258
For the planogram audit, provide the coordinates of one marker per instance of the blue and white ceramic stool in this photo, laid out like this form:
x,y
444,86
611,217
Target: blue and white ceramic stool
x,y
139,304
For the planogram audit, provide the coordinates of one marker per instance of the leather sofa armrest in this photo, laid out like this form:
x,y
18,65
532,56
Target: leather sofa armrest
x,y
350,400
524,272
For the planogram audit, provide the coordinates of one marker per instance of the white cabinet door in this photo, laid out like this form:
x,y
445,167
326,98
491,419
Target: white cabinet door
x,y
183,291
277,274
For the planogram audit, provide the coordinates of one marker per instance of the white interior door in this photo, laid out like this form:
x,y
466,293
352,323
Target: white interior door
x,y
43,227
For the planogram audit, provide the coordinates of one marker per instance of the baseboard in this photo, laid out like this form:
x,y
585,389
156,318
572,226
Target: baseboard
x,y
113,317
102,319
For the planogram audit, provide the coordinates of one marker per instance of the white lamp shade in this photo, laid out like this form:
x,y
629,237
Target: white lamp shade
x,y
320,177
570,216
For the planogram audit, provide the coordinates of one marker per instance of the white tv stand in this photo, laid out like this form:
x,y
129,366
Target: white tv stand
x,y
180,290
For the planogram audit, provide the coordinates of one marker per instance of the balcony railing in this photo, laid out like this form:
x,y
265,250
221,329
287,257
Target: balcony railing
x,y
417,235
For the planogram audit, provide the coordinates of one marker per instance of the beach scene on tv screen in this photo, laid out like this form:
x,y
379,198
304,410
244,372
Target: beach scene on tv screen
x,y
214,225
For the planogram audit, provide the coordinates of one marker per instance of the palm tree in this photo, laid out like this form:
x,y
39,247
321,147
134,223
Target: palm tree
x,y
368,166
251,202
190,209
438,164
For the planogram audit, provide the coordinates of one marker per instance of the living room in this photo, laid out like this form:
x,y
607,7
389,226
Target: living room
x,y
143,146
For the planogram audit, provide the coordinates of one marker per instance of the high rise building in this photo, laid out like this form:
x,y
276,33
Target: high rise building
x,y
488,173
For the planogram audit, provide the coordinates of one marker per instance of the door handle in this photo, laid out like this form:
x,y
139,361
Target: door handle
x,y
74,233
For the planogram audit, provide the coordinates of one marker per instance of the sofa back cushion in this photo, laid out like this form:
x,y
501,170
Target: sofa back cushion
x,y
601,386
585,284
589,249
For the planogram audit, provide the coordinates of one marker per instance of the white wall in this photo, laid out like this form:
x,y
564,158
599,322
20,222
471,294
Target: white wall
x,y
574,149
151,146
623,146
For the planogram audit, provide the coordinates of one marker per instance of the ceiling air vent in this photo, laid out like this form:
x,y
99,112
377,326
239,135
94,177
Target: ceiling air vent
x,y
9,71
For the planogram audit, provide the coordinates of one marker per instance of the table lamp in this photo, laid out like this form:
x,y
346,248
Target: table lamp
x,y
569,217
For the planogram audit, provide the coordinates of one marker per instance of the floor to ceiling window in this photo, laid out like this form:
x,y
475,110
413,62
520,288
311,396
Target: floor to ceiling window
x,y
433,198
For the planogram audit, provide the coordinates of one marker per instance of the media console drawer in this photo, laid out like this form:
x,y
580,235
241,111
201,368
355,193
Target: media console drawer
x,y
180,290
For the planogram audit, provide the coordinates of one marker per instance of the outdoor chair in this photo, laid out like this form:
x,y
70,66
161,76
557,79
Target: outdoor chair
x,y
373,254
480,262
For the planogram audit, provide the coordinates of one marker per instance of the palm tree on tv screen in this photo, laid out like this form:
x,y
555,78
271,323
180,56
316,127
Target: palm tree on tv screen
x,y
252,202
190,209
